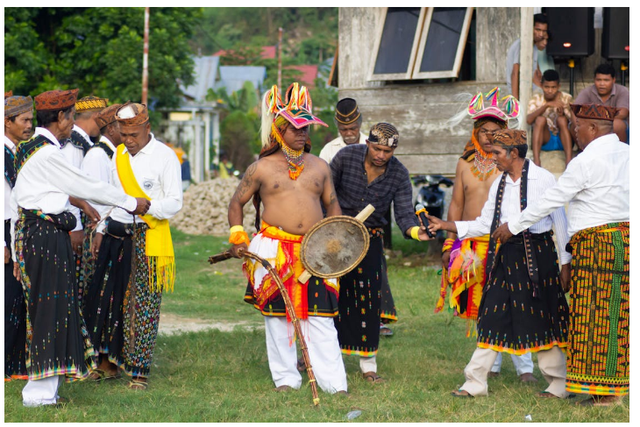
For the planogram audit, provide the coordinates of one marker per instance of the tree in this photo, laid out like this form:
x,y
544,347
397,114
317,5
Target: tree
x,y
99,51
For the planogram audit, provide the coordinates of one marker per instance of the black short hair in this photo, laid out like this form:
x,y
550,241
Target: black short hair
x,y
47,117
540,18
551,76
605,68
522,150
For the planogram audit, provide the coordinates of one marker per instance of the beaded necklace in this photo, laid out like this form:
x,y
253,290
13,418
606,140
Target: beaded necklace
x,y
294,157
483,162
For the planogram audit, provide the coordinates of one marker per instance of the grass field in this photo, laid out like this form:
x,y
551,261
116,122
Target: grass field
x,y
215,376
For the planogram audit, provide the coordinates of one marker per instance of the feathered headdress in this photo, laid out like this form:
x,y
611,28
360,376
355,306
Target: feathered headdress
x,y
491,105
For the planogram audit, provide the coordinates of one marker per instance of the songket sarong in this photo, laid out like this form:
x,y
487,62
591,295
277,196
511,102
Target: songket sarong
x,y
466,275
57,341
141,311
15,331
105,295
388,313
85,264
510,318
317,297
358,323
599,333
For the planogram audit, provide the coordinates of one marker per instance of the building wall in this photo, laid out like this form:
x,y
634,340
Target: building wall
x,y
419,110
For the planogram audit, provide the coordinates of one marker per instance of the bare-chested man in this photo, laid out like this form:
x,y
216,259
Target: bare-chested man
x,y
291,184
464,260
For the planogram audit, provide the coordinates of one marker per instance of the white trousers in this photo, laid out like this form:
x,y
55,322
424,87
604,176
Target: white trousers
x,y
41,392
324,353
368,364
552,364
523,364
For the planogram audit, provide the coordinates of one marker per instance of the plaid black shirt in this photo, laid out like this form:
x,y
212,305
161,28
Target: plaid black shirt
x,y
354,193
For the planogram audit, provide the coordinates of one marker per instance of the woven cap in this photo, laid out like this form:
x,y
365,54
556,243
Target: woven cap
x,y
16,105
384,134
508,137
107,115
91,103
593,111
132,114
56,100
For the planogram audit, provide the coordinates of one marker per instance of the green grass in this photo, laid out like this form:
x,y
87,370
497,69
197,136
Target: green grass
x,y
214,376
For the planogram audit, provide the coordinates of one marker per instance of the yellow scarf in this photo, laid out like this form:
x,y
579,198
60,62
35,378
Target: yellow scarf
x,y
158,245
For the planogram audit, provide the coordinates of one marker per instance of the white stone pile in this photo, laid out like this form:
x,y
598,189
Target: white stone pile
x,y
205,206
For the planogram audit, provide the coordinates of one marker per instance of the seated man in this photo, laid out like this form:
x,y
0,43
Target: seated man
x,y
605,91
549,114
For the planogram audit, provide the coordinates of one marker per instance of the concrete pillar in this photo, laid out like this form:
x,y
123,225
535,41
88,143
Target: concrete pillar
x,y
526,61
216,138
207,144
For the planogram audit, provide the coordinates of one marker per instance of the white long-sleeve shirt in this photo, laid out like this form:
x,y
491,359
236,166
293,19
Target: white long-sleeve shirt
x,y
75,155
331,148
595,184
46,181
157,171
97,164
7,186
539,180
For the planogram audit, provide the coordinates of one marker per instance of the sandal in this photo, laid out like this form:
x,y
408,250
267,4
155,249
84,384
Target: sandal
x,y
461,393
100,375
373,377
136,384
546,394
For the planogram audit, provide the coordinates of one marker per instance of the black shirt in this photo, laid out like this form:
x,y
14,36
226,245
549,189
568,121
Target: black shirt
x,y
354,192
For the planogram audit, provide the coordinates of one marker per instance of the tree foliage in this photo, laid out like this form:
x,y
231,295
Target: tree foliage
x,y
99,50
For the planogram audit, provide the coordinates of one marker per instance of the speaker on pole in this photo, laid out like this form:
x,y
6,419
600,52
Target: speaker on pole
x,y
615,33
572,31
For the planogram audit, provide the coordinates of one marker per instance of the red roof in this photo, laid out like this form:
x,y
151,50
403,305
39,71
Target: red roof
x,y
268,52
309,73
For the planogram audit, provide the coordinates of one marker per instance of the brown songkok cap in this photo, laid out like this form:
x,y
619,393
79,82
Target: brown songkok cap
x,y
132,114
8,94
593,111
384,134
107,115
91,103
347,111
16,105
508,137
56,100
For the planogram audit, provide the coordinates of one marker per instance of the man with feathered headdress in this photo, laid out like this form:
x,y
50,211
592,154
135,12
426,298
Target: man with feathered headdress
x,y
291,184
464,260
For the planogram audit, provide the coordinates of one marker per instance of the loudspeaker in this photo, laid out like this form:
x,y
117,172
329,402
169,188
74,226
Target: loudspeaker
x,y
571,29
615,33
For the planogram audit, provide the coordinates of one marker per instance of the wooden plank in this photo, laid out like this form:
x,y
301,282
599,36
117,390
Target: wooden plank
x,y
443,164
496,29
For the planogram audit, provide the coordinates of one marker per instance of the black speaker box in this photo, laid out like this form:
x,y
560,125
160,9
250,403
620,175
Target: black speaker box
x,y
571,29
615,33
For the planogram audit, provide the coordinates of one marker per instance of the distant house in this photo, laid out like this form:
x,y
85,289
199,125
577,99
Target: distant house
x,y
195,124
268,52
309,74
233,77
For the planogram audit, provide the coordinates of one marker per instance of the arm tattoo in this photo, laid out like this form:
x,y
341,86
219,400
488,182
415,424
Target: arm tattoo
x,y
246,183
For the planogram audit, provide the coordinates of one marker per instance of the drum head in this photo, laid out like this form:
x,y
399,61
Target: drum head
x,y
334,246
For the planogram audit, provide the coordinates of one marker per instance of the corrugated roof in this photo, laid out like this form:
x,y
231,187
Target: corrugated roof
x,y
232,77
205,75
309,74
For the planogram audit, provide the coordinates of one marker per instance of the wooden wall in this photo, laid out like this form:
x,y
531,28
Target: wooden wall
x,y
419,109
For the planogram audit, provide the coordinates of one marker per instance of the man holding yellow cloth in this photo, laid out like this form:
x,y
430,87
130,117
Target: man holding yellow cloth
x,y
123,302
291,183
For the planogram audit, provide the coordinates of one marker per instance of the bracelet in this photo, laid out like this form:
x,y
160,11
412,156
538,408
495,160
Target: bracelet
x,y
239,237
447,245
236,228
414,232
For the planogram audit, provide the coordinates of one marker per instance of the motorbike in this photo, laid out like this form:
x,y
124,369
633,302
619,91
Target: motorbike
x,y
431,196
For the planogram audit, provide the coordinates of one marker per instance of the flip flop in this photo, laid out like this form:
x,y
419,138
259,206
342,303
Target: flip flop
x,y
373,377
545,394
135,384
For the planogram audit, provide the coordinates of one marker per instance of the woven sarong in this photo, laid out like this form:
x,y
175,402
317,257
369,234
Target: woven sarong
x,y
104,296
15,332
510,318
388,313
358,323
57,339
317,297
599,339
141,312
